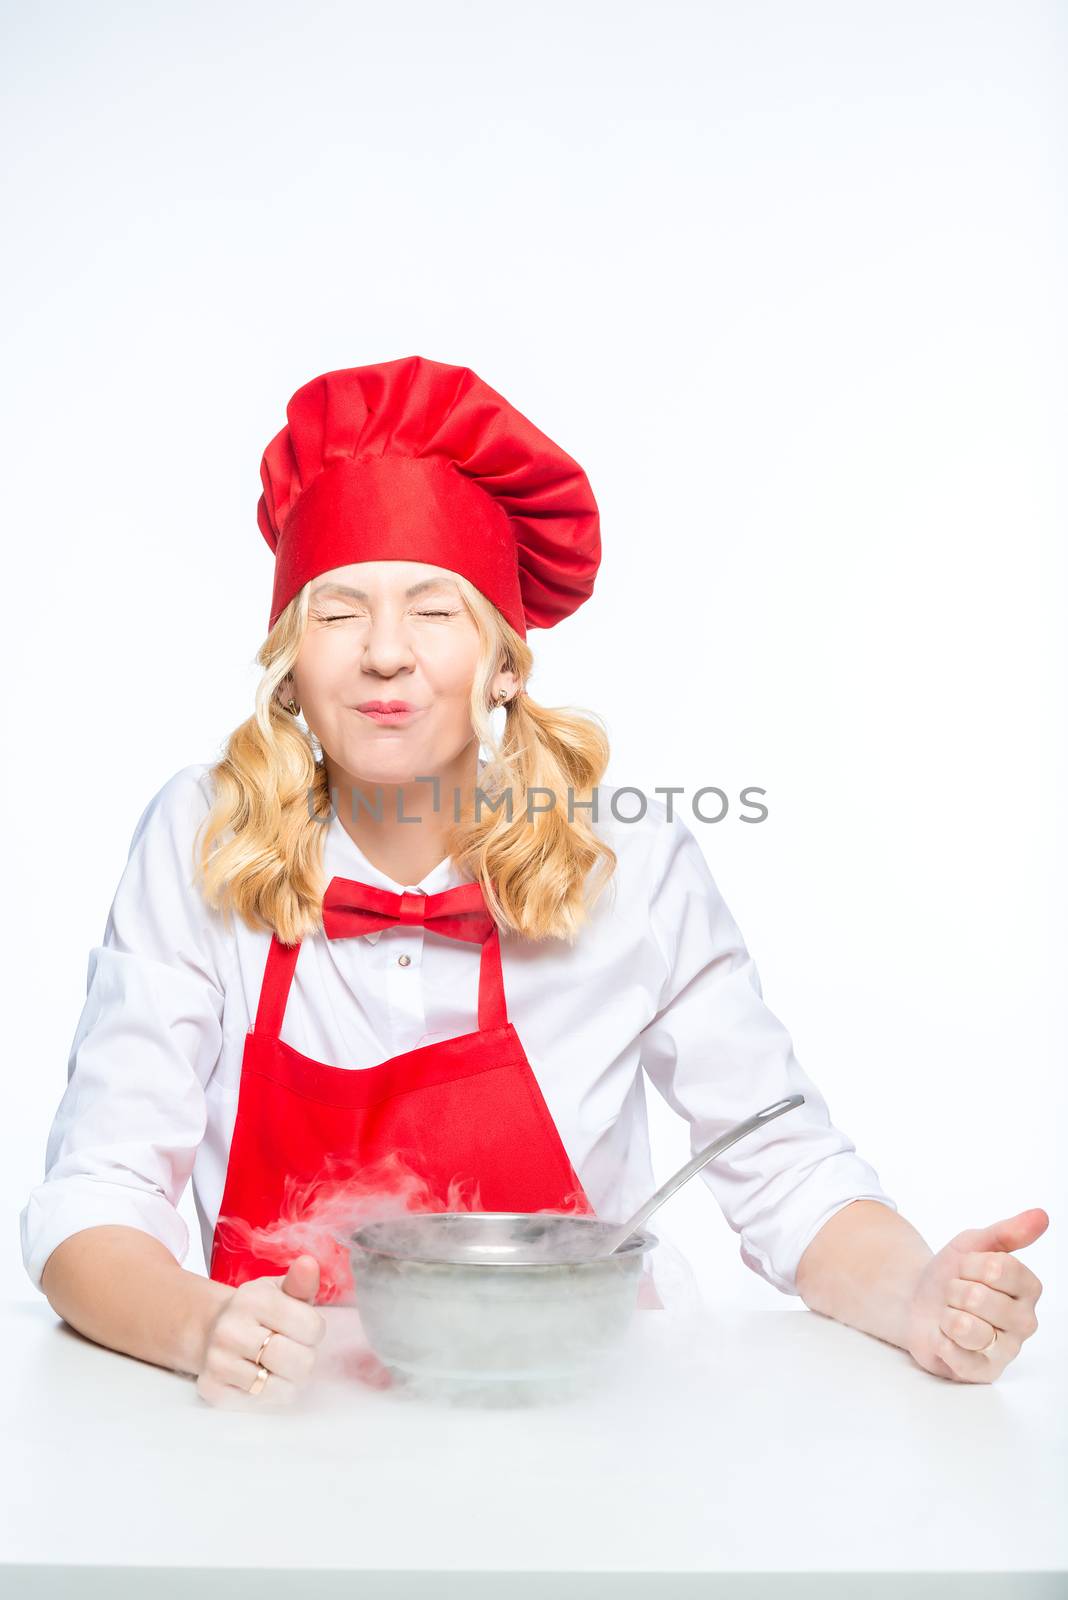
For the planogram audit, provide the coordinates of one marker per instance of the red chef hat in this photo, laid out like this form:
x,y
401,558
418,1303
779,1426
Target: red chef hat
x,y
414,460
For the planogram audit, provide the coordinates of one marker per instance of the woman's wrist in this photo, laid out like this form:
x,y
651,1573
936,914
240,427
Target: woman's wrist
x,y
204,1300
863,1268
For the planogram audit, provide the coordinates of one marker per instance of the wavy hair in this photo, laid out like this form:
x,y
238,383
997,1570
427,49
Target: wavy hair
x,y
261,845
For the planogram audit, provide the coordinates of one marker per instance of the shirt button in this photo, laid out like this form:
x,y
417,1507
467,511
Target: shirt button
x,y
404,961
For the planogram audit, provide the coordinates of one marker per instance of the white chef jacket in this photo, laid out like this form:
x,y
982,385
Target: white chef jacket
x,y
659,978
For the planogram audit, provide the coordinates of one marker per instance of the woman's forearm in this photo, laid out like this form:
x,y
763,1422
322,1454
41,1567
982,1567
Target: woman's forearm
x,y
122,1288
862,1269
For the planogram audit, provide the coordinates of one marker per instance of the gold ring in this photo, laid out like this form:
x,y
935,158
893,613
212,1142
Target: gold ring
x,y
262,1372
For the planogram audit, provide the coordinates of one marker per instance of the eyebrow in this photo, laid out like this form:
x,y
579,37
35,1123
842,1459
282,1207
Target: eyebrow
x,y
361,594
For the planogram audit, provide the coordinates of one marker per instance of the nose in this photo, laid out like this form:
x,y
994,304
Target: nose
x,y
387,646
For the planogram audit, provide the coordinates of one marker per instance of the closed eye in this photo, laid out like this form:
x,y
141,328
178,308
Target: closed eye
x,y
348,616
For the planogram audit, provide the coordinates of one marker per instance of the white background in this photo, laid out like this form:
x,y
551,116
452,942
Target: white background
x,y
783,278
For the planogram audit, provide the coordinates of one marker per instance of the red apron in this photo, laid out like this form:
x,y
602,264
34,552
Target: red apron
x,y
467,1109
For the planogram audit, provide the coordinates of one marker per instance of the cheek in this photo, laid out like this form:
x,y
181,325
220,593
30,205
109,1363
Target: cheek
x,y
322,668
450,672
454,690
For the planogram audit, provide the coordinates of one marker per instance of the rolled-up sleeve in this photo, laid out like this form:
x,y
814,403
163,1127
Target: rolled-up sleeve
x,y
717,1054
125,1135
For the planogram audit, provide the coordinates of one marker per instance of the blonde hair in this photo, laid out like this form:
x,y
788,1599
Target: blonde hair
x,y
262,842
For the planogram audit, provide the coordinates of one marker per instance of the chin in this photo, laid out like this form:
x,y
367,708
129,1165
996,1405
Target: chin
x,y
396,761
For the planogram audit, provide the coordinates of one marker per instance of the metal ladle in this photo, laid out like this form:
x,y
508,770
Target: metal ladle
x,y
606,1244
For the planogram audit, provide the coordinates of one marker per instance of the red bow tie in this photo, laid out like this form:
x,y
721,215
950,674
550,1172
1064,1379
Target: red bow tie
x,y
350,907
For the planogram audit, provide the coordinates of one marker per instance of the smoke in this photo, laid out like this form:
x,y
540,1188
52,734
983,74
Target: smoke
x,y
315,1216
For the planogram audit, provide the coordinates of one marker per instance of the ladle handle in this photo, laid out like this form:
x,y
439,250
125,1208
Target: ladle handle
x,y
702,1157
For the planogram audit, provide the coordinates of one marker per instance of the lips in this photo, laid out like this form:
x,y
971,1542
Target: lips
x,y
386,714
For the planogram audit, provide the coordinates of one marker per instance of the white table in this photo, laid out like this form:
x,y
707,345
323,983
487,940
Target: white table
x,y
745,1454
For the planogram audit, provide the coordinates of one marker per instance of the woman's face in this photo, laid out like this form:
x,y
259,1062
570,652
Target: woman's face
x,y
387,631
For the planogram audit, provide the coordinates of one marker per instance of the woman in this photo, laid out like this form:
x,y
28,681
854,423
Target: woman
x,y
332,973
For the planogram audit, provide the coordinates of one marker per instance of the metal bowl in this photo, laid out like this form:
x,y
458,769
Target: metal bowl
x,y
493,1305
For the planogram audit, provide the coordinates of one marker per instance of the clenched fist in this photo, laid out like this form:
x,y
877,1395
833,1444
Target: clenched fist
x,y
974,1304
282,1307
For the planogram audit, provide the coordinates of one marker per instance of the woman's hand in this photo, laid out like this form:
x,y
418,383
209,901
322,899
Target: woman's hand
x,y
255,1309
970,1289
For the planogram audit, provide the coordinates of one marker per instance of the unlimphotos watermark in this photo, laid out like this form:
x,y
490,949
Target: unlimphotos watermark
x,y
538,800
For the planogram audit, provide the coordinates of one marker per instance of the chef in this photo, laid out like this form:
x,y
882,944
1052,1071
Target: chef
x,y
326,968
